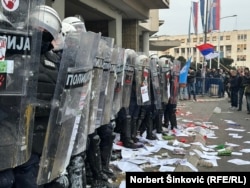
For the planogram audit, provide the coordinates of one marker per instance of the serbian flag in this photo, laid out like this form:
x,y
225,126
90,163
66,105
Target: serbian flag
x,y
207,50
214,16
184,72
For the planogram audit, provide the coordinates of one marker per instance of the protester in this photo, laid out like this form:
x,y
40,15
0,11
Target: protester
x,y
183,93
191,83
234,87
246,84
227,85
199,80
241,90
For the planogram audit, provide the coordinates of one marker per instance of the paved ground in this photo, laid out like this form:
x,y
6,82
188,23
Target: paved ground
x,y
202,114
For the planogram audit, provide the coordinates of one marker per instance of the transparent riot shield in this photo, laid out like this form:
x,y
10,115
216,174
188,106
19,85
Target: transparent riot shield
x,y
164,72
96,85
70,98
82,133
107,115
175,73
20,45
142,80
129,68
118,90
155,83
105,78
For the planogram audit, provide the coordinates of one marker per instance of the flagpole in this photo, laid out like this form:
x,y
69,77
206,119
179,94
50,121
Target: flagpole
x,y
189,31
205,40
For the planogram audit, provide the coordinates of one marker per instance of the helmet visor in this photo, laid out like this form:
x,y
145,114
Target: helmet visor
x,y
79,26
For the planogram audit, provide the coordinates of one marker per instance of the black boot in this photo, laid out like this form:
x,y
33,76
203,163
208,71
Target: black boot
x,y
158,123
149,126
94,158
77,171
126,134
172,119
99,179
166,115
140,122
106,151
134,129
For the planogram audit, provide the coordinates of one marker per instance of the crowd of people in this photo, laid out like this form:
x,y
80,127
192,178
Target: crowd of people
x,y
232,83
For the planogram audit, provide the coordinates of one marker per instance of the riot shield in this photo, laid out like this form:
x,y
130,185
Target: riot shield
x,y
118,90
104,80
19,65
110,89
129,68
174,90
70,98
96,84
82,133
164,72
155,83
142,80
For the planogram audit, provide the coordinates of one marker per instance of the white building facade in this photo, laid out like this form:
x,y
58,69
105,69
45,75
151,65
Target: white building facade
x,y
232,44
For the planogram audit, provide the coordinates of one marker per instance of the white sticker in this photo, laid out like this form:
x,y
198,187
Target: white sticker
x,y
3,46
10,5
10,66
144,93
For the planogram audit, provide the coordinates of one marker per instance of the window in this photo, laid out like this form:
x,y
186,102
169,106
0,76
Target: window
x,y
241,47
194,39
242,37
201,39
228,48
214,38
241,57
228,37
221,48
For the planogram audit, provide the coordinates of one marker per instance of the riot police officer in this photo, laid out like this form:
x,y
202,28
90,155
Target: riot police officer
x,y
99,144
45,19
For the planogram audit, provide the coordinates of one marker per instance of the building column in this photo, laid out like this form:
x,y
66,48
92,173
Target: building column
x,y
145,41
115,30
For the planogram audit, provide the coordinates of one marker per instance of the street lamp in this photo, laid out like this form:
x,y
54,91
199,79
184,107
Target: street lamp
x,y
218,65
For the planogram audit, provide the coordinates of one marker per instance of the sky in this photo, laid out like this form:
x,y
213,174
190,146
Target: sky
x,y
176,18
